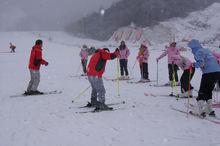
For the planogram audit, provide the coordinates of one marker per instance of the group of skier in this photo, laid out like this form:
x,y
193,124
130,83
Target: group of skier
x,y
205,59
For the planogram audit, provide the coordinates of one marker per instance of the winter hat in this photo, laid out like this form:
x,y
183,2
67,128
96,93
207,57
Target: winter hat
x,y
106,49
172,43
84,46
39,42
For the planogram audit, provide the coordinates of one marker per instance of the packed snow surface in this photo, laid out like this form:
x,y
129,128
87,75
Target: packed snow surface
x,y
52,120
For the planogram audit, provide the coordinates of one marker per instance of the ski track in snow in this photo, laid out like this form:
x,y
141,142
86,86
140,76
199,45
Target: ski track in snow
x,y
47,120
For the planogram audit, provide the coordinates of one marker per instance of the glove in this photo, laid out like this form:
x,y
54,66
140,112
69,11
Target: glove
x,y
116,52
46,64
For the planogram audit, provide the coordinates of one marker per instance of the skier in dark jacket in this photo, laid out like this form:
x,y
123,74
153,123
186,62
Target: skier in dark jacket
x,y
95,70
206,61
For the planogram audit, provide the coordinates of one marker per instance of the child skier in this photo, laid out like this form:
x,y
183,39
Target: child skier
x,y
142,58
123,59
172,68
188,71
210,75
84,57
12,47
95,70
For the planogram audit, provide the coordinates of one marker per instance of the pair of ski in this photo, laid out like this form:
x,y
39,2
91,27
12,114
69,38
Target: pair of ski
x,y
116,79
196,114
92,110
165,95
139,81
162,85
44,93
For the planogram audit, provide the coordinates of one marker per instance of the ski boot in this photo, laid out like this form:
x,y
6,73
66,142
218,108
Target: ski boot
x,y
201,106
209,108
102,107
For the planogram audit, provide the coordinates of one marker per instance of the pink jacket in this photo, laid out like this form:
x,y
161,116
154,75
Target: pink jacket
x,y
182,62
124,53
217,55
143,55
171,51
83,54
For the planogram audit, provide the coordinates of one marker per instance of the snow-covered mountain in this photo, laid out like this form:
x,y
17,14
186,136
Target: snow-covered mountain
x,y
203,25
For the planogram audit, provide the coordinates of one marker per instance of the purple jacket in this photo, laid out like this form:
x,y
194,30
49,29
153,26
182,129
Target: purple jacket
x,y
83,54
182,62
171,51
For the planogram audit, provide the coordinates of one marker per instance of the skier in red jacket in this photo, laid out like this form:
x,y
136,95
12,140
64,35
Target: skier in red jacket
x,y
35,62
95,70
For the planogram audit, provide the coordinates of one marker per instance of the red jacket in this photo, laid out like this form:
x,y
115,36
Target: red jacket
x,y
36,59
98,60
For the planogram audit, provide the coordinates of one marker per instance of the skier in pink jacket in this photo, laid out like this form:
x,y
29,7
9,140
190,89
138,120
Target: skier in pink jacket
x,y
188,71
142,58
123,59
172,67
216,53
84,57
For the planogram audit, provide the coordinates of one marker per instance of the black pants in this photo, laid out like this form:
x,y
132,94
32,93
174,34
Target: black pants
x,y
124,66
185,80
172,69
84,64
144,70
207,84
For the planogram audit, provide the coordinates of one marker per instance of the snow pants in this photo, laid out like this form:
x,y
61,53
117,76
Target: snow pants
x,y
98,89
185,80
84,64
172,69
207,84
124,66
144,70
35,80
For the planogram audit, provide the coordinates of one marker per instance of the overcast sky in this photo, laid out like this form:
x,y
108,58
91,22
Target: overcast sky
x,y
46,14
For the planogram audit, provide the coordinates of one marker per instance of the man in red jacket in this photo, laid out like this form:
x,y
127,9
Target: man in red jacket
x,y
35,62
95,70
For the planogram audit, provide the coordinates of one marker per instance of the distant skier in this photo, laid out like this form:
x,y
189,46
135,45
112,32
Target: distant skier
x,y
123,59
12,47
188,71
142,58
35,62
172,68
211,74
95,70
84,58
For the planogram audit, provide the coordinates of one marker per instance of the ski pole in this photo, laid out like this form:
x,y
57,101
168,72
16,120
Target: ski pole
x,y
174,83
118,76
81,93
132,69
157,74
190,72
